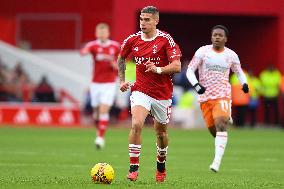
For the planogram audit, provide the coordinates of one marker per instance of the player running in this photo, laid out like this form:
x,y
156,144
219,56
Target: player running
x,y
214,63
103,86
157,57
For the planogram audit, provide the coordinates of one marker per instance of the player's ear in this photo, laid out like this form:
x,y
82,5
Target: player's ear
x,y
157,20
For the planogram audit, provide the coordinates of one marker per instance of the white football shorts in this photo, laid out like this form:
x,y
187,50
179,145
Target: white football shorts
x,y
159,109
102,93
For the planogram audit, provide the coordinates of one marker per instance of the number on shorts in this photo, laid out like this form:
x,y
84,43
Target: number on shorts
x,y
224,105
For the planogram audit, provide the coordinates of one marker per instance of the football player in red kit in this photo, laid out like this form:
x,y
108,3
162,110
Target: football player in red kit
x,y
103,86
157,58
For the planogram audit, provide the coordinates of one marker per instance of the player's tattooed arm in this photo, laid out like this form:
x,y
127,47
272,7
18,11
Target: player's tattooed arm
x,y
121,68
124,86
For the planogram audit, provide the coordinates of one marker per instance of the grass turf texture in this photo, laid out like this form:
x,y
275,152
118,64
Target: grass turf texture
x,y
63,158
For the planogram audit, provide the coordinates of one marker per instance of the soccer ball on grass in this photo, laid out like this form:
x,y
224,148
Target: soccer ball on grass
x,y
102,173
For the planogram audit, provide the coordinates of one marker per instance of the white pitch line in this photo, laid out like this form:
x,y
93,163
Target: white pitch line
x,y
40,165
254,170
40,153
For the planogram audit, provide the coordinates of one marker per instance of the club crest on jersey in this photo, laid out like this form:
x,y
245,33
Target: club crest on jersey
x,y
155,49
111,51
100,50
136,49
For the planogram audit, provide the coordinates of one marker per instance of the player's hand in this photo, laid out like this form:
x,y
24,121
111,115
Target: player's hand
x,y
124,86
245,88
199,88
150,67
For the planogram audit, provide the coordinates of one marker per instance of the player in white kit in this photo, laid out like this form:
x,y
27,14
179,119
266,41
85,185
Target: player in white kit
x,y
214,63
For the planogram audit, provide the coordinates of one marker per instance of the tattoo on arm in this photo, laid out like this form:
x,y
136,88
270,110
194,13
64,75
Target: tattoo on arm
x,y
121,68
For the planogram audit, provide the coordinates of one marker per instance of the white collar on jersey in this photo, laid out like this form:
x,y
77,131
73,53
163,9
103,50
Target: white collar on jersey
x,y
103,44
151,39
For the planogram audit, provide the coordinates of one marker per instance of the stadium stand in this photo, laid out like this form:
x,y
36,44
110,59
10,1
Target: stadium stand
x,y
21,70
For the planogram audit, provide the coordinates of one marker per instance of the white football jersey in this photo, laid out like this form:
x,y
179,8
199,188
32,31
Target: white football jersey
x,y
214,69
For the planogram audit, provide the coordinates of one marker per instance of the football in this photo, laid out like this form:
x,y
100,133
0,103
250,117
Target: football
x,y
102,173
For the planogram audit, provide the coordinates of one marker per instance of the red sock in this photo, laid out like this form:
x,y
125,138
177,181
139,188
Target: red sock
x,y
134,153
161,159
101,128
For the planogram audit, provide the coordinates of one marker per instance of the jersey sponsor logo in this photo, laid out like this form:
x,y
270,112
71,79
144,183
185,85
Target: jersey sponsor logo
x,y
140,60
216,68
104,57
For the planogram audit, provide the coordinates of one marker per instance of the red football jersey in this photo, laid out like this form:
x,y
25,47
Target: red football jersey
x,y
161,50
103,56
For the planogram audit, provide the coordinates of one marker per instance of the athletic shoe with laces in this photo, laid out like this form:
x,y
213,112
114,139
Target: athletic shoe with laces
x,y
133,176
161,176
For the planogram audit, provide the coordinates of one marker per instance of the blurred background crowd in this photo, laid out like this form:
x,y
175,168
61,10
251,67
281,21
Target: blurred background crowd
x,y
16,86
40,61
262,106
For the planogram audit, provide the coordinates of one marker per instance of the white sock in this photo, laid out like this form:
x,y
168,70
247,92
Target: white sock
x,y
220,145
161,154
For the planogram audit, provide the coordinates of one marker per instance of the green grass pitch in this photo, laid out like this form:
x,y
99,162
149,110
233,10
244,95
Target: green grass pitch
x,y
62,158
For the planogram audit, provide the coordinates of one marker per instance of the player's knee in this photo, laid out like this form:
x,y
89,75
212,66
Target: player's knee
x,y
221,124
136,130
221,128
137,126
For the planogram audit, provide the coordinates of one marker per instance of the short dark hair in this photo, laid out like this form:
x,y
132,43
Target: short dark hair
x,y
151,10
222,28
